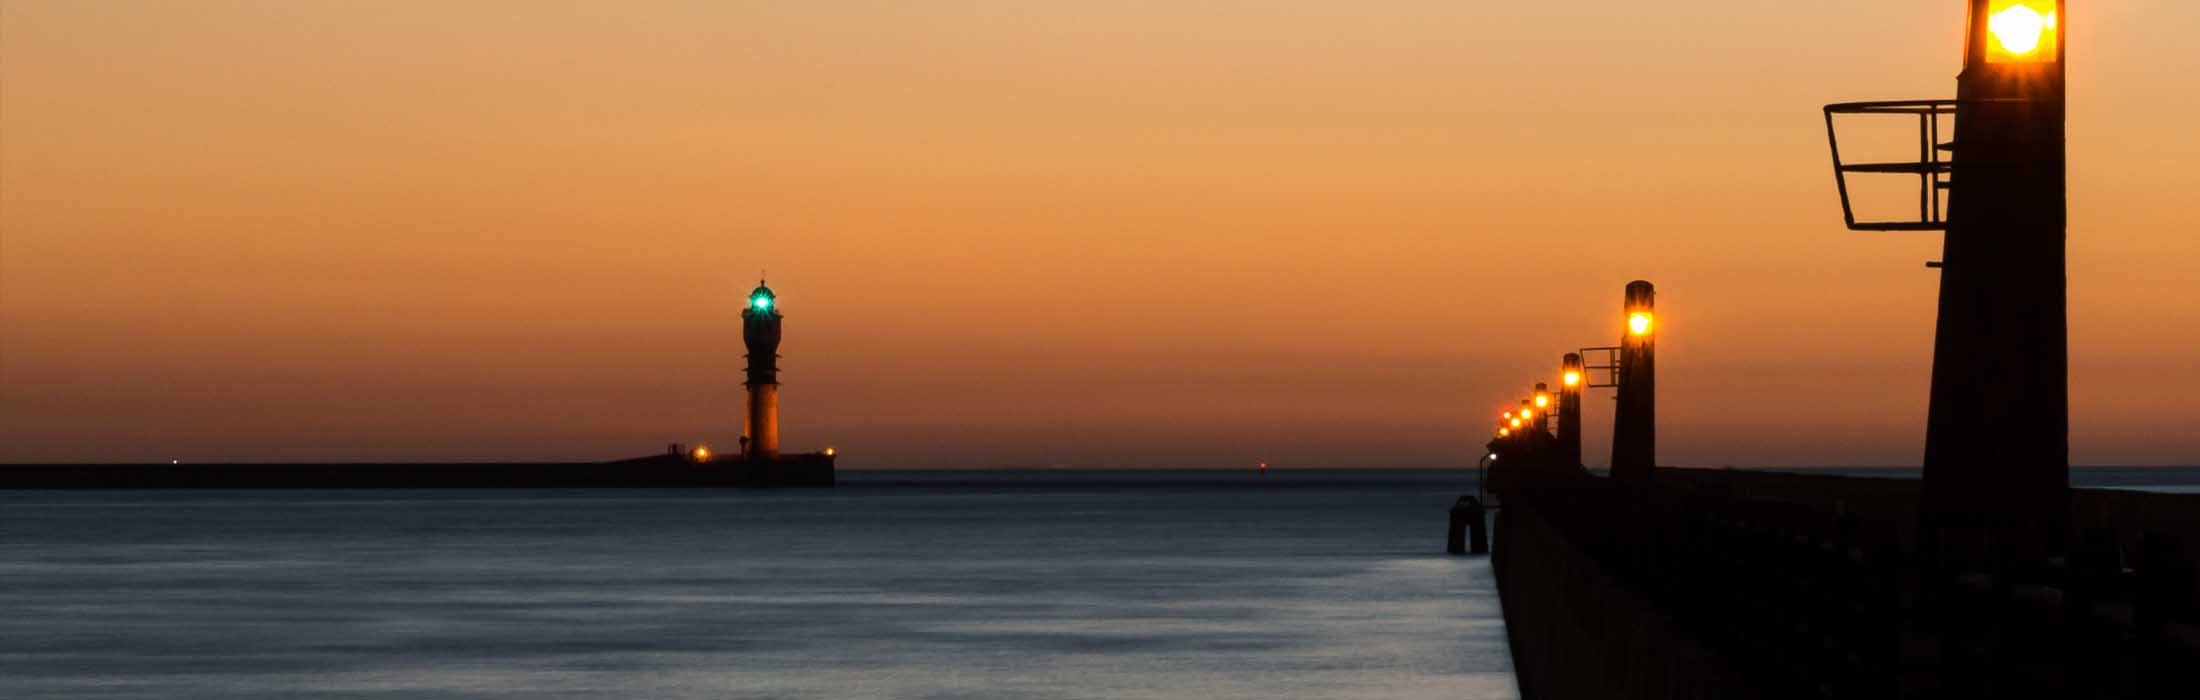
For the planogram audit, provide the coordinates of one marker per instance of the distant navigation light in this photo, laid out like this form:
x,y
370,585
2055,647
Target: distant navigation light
x,y
1505,432
1516,422
760,301
1638,323
2022,31
702,454
1573,379
830,452
1508,416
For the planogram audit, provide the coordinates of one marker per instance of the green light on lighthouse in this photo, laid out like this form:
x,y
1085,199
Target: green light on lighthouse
x,y
761,298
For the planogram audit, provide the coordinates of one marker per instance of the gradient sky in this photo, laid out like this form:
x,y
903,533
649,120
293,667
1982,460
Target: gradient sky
x,y
1145,234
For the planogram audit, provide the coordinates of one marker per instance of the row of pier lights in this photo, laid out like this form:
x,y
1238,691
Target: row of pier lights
x,y
1990,170
1526,448
1525,438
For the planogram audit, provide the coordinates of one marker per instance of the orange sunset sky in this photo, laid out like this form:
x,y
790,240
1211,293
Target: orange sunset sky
x,y
1101,234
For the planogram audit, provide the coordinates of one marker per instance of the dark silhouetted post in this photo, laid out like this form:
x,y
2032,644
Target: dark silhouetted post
x,y
1542,407
1997,447
760,331
1570,381
1635,421
1468,532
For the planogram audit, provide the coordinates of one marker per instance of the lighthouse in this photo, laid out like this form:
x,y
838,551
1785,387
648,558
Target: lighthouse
x,y
760,462
760,332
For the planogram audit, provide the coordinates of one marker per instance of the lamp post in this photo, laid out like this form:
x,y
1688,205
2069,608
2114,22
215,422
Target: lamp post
x,y
1997,431
1529,416
1634,422
1542,407
1571,379
1997,435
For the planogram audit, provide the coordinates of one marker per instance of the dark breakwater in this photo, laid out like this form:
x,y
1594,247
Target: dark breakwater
x,y
1718,583
651,472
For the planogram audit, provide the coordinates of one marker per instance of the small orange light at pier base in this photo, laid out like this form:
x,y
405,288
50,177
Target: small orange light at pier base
x,y
702,453
2022,31
1638,323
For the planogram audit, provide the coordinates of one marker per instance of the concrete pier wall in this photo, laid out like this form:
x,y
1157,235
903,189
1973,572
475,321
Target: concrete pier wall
x,y
1739,584
1577,633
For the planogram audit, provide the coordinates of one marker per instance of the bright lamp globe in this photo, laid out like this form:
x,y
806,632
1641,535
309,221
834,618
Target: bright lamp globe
x,y
2018,28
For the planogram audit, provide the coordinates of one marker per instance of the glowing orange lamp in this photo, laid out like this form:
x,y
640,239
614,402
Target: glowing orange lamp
x,y
2022,31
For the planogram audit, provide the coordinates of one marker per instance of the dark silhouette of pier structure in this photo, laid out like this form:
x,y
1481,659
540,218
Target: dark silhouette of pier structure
x,y
1989,577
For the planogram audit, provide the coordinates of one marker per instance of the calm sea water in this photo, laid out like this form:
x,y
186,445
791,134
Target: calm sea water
x,y
943,585
1206,585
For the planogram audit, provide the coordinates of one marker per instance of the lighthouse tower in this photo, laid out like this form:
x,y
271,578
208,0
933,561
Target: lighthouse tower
x,y
760,331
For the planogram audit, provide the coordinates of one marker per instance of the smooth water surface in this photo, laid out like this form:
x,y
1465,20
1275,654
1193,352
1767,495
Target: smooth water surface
x,y
947,585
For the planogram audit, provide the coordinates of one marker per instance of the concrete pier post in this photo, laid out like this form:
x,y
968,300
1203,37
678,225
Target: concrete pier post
x,y
1469,532
1571,379
1997,447
1634,422
1543,407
